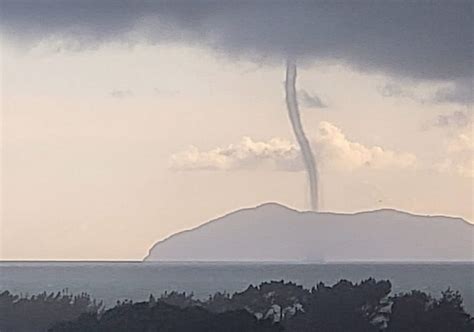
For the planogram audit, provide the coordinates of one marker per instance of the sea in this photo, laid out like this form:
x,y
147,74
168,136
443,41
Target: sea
x,y
112,281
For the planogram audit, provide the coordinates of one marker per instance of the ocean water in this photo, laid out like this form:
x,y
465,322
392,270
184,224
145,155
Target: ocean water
x,y
112,281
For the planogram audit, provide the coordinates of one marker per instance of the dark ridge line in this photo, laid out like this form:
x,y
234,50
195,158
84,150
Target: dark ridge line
x,y
244,262
321,213
79,261
359,212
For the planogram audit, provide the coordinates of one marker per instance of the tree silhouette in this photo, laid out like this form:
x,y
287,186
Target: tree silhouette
x,y
270,306
219,302
38,312
419,312
342,307
181,300
271,299
140,317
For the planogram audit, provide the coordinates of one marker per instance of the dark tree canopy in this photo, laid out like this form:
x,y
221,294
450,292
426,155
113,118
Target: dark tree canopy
x,y
271,306
38,312
137,317
419,312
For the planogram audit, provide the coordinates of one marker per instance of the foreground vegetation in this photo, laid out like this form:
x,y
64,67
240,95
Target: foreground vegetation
x,y
272,306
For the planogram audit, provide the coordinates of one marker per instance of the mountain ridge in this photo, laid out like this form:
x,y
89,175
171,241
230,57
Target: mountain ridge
x,y
270,212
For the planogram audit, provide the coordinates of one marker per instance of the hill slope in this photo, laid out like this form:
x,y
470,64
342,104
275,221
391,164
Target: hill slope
x,y
272,232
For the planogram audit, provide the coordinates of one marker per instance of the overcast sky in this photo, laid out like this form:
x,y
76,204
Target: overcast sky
x,y
124,122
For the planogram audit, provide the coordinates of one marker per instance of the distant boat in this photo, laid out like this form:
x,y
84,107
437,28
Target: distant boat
x,y
314,260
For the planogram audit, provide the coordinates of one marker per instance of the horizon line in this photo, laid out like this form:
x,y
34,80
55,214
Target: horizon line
x,y
294,262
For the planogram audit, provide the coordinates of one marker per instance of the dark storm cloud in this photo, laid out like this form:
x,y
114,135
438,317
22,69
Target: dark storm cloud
x,y
455,119
460,93
310,100
429,40
392,90
121,93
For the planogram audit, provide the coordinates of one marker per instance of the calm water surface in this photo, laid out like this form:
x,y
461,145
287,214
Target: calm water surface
x,y
112,281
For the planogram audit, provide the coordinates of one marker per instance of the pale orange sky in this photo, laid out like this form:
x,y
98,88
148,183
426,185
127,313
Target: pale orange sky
x,y
90,141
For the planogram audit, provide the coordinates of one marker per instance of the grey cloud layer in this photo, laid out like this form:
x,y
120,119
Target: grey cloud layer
x,y
121,93
310,100
458,92
421,40
454,119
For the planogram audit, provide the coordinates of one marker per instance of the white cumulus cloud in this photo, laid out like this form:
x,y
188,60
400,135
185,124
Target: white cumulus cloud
x,y
276,154
334,150
460,155
331,147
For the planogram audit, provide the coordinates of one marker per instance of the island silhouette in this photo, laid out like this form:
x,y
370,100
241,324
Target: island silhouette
x,y
273,232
